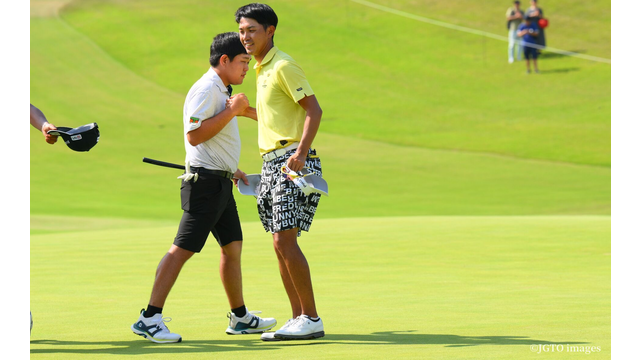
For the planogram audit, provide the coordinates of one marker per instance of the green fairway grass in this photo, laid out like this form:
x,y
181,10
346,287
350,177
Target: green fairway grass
x,y
469,208
139,115
441,287
384,77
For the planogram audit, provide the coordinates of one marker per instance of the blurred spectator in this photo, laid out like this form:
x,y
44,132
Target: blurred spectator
x,y
514,19
528,32
535,13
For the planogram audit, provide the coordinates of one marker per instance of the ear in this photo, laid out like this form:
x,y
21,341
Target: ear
x,y
224,59
271,30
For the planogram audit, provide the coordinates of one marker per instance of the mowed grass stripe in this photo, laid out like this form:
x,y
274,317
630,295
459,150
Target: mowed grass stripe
x,y
366,178
79,83
386,78
443,287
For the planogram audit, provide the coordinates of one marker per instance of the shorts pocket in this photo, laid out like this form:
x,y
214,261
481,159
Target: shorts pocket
x,y
202,196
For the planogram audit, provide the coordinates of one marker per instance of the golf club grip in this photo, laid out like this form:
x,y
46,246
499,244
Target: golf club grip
x,y
162,163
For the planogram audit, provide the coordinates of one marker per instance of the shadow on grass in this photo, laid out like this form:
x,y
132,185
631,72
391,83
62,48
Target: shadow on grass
x,y
134,347
409,337
551,55
565,70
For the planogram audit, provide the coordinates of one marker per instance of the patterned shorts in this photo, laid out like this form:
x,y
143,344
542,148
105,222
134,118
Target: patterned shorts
x,y
281,204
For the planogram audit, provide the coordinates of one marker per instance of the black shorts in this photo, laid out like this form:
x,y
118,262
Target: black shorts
x,y
281,204
209,207
530,53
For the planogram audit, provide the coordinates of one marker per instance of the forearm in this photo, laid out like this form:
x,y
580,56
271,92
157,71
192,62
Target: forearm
x,y
311,126
210,127
37,118
251,113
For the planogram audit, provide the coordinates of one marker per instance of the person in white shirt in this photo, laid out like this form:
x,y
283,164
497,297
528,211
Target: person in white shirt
x,y
212,144
515,16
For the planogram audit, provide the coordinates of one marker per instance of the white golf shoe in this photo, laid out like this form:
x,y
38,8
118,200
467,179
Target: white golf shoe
x,y
154,329
249,324
302,328
270,336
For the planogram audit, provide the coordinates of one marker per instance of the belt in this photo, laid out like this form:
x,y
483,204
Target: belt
x,y
279,152
224,174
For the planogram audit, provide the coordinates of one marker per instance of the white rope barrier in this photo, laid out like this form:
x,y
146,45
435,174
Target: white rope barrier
x,y
476,32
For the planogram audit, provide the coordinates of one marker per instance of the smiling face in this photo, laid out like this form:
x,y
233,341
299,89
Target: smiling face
x,y
255,38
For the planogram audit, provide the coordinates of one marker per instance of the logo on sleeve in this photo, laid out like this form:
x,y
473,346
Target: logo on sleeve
x,y
299,89
193,120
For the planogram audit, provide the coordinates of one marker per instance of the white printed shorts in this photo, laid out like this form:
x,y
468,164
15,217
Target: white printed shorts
x,y
281,204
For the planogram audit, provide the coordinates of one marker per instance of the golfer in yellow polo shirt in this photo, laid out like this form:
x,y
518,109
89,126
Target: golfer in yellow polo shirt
x,y
288,116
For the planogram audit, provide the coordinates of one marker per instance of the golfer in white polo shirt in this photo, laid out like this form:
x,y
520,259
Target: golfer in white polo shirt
x,y
212,143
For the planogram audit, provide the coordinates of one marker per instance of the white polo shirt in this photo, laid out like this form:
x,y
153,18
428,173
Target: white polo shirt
x,y
207,98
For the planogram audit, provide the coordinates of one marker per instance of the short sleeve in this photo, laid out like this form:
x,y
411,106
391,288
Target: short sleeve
x,y
293,81
201,106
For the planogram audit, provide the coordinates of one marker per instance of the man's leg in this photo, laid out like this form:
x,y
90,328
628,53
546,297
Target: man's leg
x,y
292,260
167,273
520,49
512,43
241,321
151,324
294,299
231,273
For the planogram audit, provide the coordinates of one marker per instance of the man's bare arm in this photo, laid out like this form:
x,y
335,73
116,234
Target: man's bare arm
x,y
311,126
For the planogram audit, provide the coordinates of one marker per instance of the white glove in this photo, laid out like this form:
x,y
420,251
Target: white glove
x,y
188,175
297,179
303,185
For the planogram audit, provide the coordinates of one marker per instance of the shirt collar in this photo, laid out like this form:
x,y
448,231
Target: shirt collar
x,y
218,82
272,52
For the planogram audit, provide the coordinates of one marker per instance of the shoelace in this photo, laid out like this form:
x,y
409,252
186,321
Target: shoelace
x,y
161,324
259,319
289,323
254,312
297,322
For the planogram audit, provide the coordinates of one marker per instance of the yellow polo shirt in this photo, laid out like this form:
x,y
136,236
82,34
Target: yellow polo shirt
x,y
280,84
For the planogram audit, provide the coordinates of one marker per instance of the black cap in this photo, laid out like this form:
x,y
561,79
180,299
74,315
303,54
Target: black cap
x,y
82,138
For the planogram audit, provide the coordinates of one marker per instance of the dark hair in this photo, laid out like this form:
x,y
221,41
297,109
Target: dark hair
x,y
225,44
262,13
